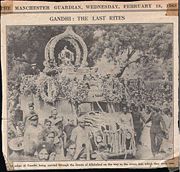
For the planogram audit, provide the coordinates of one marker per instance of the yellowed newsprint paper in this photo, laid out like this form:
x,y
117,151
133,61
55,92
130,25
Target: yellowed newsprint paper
x,y
89,84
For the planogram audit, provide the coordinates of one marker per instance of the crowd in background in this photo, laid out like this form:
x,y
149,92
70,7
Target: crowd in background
x,y
59,139
136,101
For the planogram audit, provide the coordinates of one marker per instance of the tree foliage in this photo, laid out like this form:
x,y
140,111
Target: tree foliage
x,y
125,44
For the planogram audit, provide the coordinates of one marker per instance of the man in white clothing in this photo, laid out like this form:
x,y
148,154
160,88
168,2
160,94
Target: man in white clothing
x,y
80,135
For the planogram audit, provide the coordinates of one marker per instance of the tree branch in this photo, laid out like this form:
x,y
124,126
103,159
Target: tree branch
x,y
128,51
126,65
135,60
130,54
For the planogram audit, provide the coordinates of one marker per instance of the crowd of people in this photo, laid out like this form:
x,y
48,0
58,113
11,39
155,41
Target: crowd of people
x,y
136,102
72,139
51,140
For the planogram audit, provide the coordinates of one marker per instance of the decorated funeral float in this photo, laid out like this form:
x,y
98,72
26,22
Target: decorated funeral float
x,y
74,88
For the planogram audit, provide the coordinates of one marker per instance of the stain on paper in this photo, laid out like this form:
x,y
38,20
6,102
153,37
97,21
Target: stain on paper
x,y
6,7
172,9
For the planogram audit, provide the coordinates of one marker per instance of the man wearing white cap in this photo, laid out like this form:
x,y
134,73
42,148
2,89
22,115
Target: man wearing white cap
x,y
80,136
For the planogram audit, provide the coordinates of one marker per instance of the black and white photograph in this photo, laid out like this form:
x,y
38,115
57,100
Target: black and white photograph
x,y
96,92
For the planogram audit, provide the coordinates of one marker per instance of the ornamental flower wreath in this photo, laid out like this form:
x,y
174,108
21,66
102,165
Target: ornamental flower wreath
x,y
54,91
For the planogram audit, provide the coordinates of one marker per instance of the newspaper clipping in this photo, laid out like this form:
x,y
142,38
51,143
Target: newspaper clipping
x,y
90,84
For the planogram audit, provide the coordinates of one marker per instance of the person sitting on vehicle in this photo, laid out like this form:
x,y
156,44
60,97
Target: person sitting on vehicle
x,y
98,138
100,149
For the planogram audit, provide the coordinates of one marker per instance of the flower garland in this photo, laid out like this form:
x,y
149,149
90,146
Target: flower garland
x,y
66,88
49,82
50,89
79,93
